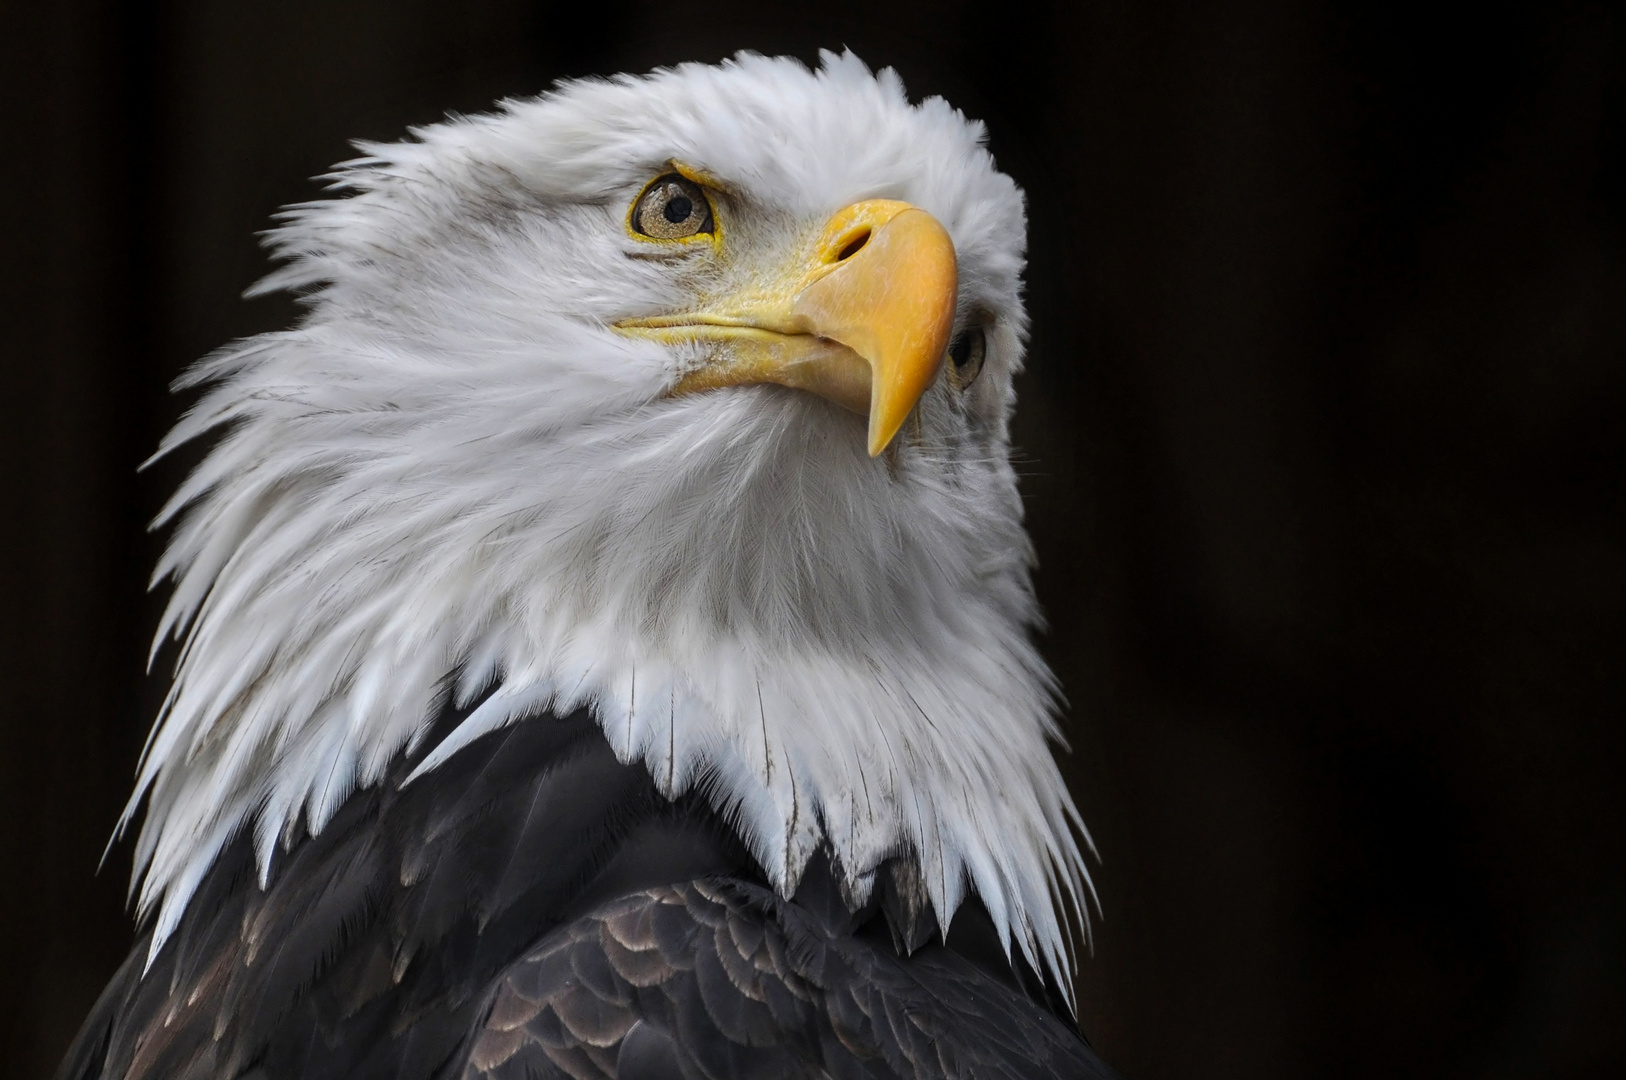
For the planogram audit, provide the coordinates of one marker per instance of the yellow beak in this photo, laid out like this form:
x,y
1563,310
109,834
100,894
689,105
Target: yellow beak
x,y
863,320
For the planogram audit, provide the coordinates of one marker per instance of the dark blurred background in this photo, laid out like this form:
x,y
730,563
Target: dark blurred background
x,y
1323,439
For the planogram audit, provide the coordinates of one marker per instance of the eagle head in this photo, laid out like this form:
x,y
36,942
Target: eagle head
x,y
683,398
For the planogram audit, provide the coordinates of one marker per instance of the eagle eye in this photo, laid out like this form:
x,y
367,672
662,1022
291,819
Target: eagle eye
x,y
672,207
966,354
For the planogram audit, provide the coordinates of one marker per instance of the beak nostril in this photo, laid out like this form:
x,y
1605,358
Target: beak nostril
x,y
852,246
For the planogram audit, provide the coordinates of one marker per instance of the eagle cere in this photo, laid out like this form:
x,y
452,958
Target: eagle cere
x,y
643,452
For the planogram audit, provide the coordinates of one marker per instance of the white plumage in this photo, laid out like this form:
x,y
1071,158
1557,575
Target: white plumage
x,y
454,475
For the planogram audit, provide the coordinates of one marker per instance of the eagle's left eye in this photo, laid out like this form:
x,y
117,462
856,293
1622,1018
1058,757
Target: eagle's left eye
x,y
966,354
672,207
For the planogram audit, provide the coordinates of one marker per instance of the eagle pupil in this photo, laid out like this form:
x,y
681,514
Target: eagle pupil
x,y
678,210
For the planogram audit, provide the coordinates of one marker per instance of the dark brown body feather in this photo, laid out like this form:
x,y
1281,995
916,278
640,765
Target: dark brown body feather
x,y
534,908
722,979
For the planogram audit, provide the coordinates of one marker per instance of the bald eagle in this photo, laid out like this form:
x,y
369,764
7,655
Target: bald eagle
x,y
605,617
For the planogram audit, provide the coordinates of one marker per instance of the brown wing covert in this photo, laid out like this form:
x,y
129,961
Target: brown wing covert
x,y
720,980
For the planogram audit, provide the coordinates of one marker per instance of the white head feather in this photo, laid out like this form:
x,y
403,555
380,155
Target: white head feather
x,y
453,476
